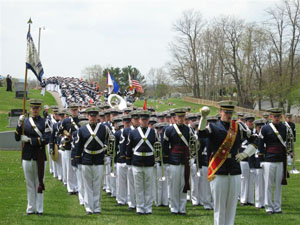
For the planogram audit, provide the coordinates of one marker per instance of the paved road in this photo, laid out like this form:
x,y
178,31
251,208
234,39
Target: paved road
x,y
57,98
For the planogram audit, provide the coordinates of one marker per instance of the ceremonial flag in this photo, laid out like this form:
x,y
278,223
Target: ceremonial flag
x,y
32,59
145,104
112,84
137,86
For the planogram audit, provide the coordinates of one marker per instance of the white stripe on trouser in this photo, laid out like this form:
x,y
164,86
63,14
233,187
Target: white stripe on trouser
x,y
50,159
35,200
225,191
167,175
195,183
92,179
273,172
78,172
64,167
162,189
59,165
107,174
245,177
121,183
177,197
205,192
251,186
71,176
130,188
259,188
143,183
112,181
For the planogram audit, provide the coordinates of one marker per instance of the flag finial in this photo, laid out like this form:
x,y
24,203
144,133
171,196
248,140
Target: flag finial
x,y
29,21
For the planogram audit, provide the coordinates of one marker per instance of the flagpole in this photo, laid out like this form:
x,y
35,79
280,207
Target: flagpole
x,y
25,93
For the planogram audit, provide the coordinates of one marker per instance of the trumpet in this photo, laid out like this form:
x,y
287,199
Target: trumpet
x,y
158,156
65,138
111,151
194,151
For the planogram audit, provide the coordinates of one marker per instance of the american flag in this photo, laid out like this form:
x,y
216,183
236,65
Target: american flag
x,y
137,86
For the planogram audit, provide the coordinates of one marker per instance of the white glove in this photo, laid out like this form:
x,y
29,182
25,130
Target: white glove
x,y
240,156
261,164
24,138
21,120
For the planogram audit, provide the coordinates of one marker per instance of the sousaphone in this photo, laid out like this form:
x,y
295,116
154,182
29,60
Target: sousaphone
x,y
116,101
54,154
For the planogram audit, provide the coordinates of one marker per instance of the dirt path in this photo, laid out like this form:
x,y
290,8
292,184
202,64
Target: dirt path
x,y
57,98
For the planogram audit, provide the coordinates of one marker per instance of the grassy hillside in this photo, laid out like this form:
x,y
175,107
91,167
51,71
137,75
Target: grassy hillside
x,y
8,102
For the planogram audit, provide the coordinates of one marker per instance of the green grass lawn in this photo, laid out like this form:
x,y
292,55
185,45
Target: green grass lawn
x,y
8,102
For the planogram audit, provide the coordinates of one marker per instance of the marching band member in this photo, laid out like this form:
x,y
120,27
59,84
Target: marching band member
x,y
224,171
36,135
140,151
90,152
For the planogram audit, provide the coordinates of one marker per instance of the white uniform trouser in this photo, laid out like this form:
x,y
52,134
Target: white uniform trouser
x,y
59,165
50,160
35,200
162,187
78,172
113,181
143,183
71,176
245,176
43,91
107,174
251,186
273,172
195,185
168,182
205,192
130,188
225,191
121,183
259,188
177,197
92,179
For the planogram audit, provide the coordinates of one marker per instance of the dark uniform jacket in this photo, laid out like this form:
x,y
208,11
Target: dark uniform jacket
x,y
118,135
202,155
270,145
173,146
123,144
216,134
37,143
134,139
82,137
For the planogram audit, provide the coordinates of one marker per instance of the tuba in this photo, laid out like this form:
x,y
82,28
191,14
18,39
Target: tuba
x,y
159,156
54,153
116,101
111,152
194,151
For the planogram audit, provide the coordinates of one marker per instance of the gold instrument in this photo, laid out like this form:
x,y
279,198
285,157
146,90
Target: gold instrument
x,y
159,156
194,151
54,154
111,152
66,138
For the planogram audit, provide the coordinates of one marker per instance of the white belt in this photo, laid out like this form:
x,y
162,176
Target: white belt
x,y
94,152
143,153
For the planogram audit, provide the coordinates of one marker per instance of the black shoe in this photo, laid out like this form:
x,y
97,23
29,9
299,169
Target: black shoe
x,y
75,193
182,214
97,212
120,204
244,204
131,208
39,214
139,213
278,212
174,213
149,213
30,213
88,213
269,212
250,204
70,193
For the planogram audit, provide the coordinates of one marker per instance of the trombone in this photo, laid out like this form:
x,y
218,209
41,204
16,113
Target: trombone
x,y
158,156
111,151
194,151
